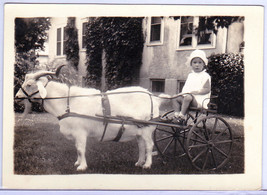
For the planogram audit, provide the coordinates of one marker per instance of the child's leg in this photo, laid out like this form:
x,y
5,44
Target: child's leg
x,y
187,101
176,104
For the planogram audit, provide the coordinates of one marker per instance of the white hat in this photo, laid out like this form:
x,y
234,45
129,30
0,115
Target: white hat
x,y
198,54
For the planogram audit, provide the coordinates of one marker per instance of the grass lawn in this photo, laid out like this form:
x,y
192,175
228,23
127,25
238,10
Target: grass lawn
x,y
40,149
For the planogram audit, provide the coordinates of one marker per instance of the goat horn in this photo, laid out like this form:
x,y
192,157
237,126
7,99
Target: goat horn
x,y
58,69
43,73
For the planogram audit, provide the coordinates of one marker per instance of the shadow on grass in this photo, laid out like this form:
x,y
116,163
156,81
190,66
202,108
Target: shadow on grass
x,y
40,149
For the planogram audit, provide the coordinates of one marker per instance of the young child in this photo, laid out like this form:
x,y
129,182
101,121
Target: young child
x,y
197,85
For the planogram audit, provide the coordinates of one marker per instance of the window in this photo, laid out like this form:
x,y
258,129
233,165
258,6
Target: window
x,y
83,34
61,41
186,31
180,85
158,85
188,39
156,31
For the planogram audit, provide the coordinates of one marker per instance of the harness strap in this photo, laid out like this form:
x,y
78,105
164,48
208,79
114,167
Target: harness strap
x,y
29,96
68,101
121,131
106,111
151,114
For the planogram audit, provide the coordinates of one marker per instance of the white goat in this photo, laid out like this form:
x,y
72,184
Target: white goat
x,y
135,105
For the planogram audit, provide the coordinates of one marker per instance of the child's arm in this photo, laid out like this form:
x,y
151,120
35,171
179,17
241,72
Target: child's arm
x,y
205,90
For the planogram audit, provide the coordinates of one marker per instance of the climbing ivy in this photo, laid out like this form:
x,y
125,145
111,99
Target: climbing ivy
x,y
71,44
121,39
123,50
214,22
93,53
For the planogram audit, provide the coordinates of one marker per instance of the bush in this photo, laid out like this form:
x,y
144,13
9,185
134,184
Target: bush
x,y
122,41
24,62
68,74
227,75
71,44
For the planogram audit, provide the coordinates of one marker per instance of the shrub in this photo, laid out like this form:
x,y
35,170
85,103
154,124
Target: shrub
x,y
93,53
121,39
227,75
24,62
71,44
68,74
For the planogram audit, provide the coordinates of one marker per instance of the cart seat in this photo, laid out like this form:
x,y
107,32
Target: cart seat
x,y
212,106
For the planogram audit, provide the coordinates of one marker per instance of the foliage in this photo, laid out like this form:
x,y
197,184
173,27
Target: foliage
x,y
123,50
71,44
24,62
214,22
30,33
122,40
227,74
68,74
94,53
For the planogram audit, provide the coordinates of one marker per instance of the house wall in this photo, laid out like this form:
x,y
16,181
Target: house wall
x,y
160,61
235,37
82,53
55,60
165,61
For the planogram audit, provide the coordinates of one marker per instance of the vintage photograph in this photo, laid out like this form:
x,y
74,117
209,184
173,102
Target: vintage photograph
x,y
143,95
105,59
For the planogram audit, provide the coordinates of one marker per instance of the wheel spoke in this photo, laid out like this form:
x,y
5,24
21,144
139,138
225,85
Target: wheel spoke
x,y
220,151
198,141
166,131
220,134
203,151
173,129
206,159
196,146
206,133
167,146
223,142
213,158
213,129
200,136
161,139
175,144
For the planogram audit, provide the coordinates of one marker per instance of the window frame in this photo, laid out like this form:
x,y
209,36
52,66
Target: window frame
x,y
83,35
62,41
158,42
194,37
179,89
157,79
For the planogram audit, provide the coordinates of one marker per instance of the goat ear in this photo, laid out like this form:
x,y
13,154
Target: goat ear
x,y
41,89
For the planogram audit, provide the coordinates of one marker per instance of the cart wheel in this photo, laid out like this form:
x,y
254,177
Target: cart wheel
x,y
209,143
170,141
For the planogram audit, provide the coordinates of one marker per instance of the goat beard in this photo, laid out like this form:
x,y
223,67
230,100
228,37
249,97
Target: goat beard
x,y
27,109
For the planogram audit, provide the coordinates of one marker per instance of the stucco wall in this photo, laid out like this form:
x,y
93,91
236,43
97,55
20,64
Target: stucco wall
x,y
161,61
235,37
165,61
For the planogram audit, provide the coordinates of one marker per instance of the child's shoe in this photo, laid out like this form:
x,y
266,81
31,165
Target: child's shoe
x,y
181,121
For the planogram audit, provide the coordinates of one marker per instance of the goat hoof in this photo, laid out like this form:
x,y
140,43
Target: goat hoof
x,y
146,166
139,164
81,168
77,163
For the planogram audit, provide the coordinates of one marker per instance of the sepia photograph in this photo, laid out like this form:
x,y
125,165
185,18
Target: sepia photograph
x,y
155,95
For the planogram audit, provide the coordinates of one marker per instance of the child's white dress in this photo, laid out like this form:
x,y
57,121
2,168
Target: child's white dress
x,y
196,81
